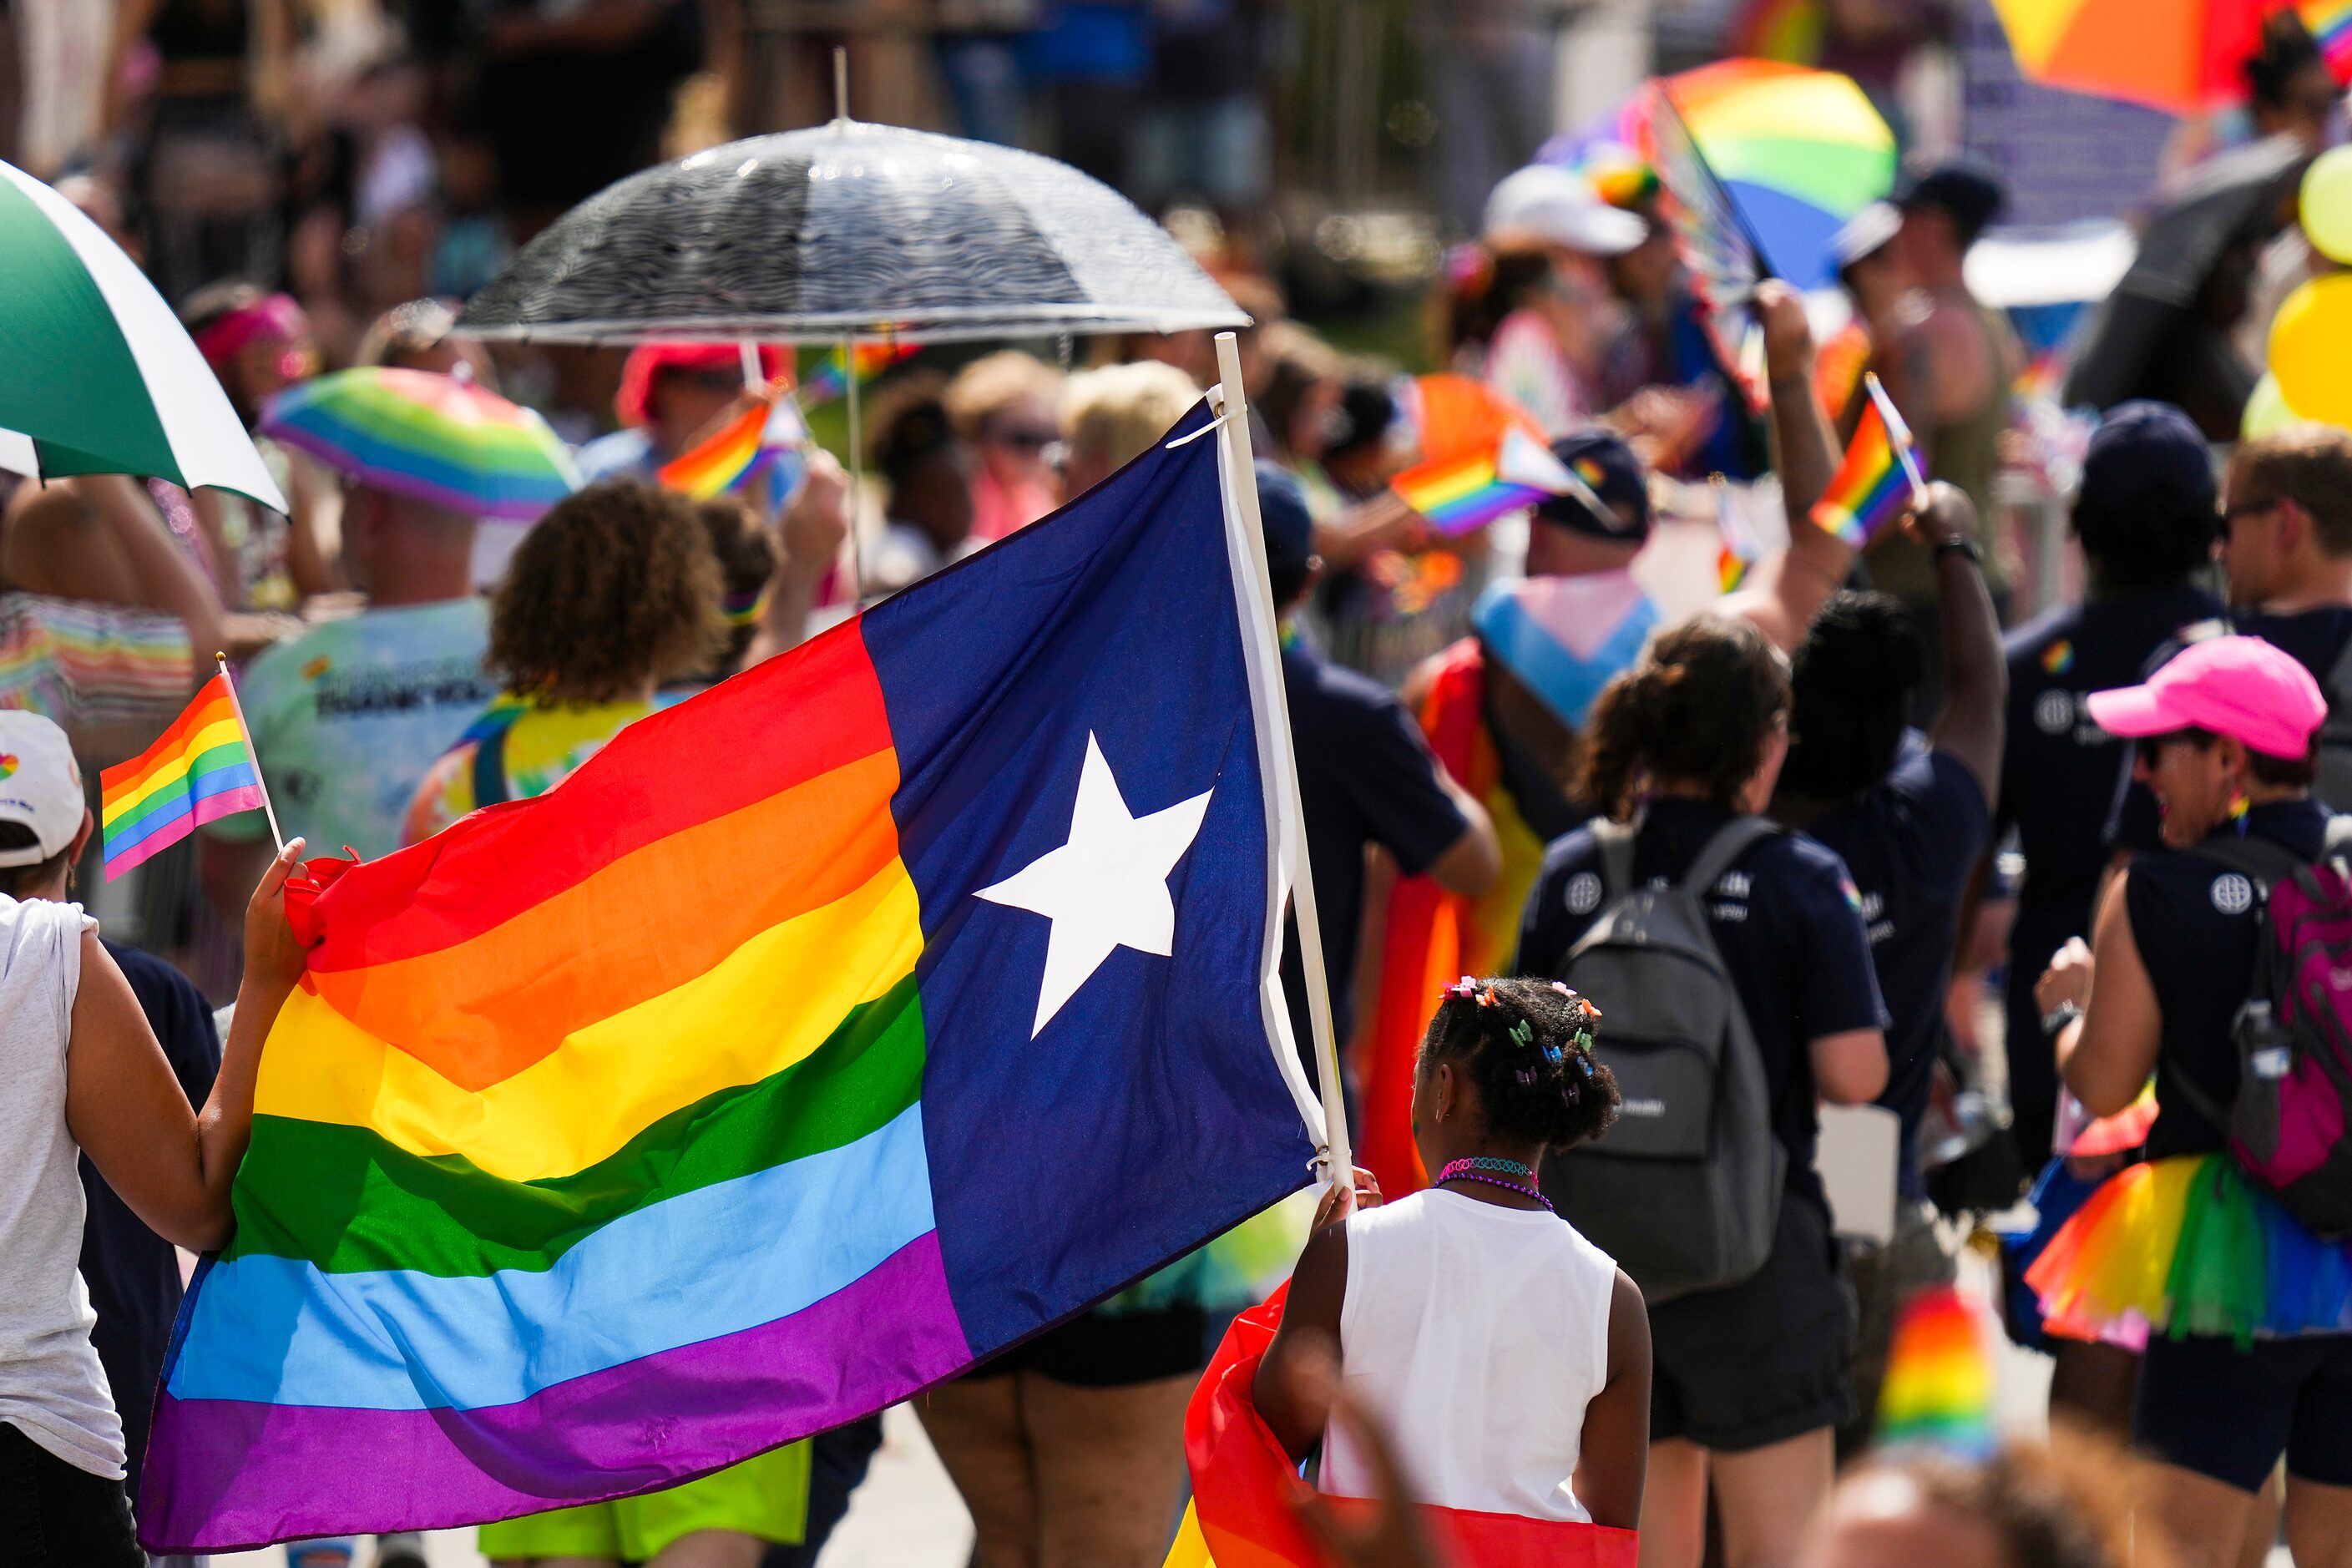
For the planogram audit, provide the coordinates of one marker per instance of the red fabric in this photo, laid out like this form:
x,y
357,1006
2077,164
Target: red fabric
x,y
1421,949
1243,1484
647,361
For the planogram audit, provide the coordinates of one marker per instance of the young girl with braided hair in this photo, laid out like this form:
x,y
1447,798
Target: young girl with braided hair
x,y
1509,1356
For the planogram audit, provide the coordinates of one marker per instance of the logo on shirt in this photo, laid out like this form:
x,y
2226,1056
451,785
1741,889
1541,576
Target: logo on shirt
x,y
314,667
1583,893
1637,1105
1733,885
2059,657
1852,894
2232,894
2053,712
7,766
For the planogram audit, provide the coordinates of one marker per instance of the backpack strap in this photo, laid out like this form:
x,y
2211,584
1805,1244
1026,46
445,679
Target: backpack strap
x,y
1616,841
1722,851
490,762
2263,859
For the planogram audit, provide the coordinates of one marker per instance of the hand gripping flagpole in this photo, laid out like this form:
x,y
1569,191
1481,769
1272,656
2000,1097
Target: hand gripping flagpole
x,y
244,732
1241,502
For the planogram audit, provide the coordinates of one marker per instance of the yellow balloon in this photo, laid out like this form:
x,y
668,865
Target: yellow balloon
x,y
2267,410
2311,350
2327,203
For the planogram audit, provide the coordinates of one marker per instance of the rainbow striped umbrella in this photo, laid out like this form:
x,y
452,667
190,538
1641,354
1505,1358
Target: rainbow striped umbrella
x,y
428,436
2184,56
1798,151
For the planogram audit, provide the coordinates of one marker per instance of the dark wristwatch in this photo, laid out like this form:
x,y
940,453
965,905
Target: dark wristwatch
x,y
1967,547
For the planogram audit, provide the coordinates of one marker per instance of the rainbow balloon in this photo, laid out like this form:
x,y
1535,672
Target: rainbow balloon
x,y
428,436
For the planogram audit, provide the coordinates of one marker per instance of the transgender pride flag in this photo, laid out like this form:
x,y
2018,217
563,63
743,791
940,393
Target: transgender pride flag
x,y
849,1023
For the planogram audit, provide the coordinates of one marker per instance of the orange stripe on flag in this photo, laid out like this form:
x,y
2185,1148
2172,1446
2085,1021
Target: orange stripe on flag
x,y
483,1010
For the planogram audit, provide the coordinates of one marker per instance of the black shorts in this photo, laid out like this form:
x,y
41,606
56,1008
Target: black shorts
x,y
2205,1405
1764,1360
55,1515
1111,1350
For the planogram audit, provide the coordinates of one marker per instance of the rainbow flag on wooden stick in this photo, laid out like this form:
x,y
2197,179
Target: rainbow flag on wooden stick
x,y
831,377
621,1134
1880,479
199,770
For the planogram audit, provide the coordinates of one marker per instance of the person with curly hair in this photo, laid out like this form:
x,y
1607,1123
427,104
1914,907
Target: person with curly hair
x,y
1751,1377
614,593
1508,1355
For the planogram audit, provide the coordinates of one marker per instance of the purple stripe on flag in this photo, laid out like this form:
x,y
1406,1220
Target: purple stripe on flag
x,y
227,1475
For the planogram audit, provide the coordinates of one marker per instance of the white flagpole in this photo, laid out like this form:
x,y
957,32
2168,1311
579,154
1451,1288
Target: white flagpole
x,y
246,733
1235,435
1898,436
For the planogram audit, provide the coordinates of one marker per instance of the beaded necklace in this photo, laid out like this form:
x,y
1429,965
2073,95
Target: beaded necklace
x,y
1472,1170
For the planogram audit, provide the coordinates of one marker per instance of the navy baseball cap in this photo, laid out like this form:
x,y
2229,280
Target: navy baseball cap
x,y
1610,469
2147,461
1971,197
1289,530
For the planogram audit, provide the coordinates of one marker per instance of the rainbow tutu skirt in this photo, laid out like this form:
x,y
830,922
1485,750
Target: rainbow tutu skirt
x,y
2189,1246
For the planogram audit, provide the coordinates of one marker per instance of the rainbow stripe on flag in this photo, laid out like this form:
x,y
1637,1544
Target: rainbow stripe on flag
x,y
623,1133
2329,22
831,377
1738,548
198,770
1939,1389
747,448
1462,493
1871,488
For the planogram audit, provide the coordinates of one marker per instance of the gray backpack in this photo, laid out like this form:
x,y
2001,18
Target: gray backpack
x,y
1685,1190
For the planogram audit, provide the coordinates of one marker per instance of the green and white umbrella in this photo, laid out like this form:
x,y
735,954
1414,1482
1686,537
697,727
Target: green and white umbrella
x,y
97,375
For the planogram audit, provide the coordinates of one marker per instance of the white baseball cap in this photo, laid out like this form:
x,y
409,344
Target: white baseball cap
x,y
1559,206
39,785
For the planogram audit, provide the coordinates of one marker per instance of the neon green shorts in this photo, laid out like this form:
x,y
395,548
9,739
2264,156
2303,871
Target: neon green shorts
x,y
766,1496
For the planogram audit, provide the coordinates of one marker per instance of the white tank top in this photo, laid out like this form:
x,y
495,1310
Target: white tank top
x,y
51,1387
1477,1335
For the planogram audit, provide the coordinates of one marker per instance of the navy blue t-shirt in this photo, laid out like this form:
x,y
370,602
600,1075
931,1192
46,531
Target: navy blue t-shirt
x,y
2315,637
1787,920
2196,924
1910,842
2057,787
1365,777
133,1274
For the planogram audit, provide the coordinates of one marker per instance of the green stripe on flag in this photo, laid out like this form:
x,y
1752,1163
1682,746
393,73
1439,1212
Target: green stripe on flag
x,y
71,383
346,1200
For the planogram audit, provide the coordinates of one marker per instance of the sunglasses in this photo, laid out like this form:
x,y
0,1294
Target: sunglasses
x,y
2151,747
711,380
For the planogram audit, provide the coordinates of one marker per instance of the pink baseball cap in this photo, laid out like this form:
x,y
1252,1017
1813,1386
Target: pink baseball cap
x,y
2234,686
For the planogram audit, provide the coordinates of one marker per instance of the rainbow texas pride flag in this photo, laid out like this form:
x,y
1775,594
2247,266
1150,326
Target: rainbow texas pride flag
x,y
821,1035
198,770
1871,488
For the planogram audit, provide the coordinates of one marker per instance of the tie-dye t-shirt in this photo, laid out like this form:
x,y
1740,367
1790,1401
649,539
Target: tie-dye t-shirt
x,y
533,750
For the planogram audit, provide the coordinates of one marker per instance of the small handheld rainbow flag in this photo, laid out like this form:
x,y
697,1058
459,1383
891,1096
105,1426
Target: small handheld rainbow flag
x,y
1938,1387
1878,478
1462,493
1740,549
752,444
830,379
200,769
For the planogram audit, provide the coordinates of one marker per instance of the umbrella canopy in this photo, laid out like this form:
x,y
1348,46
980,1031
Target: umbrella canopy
x,y
428,436
97,375
2183,55
1797,151
849,230
2234,202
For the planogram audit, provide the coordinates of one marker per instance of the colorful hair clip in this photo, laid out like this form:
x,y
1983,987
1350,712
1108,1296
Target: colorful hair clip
x,y
1462,990
1487,997
1523,1033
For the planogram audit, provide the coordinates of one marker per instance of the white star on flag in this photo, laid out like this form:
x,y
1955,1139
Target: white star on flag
x,y
1106,887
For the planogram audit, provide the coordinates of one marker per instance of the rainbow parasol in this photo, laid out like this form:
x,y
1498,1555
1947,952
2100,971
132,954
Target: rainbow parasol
x,y
1796,152
428,436
2183,55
